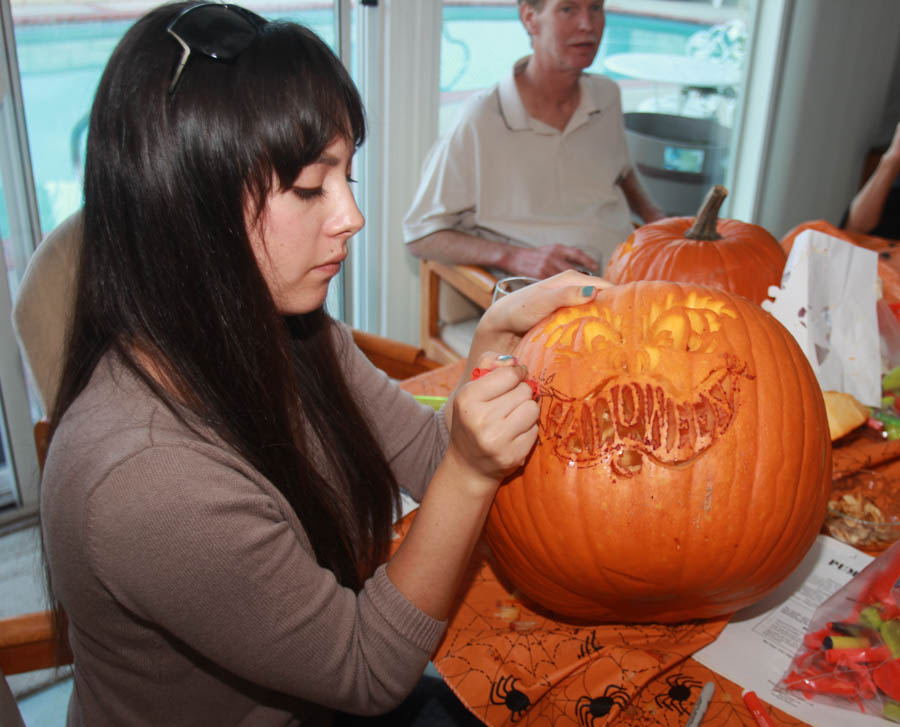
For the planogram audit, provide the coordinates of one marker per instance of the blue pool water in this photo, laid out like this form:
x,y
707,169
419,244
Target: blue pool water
x,y
60,65
479,45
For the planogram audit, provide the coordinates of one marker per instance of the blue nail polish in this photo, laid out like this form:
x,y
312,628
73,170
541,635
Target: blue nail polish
x,y
587,291
504,357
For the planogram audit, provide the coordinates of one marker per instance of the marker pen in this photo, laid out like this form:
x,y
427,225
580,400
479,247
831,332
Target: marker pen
x,y
846,642
699,711
755,705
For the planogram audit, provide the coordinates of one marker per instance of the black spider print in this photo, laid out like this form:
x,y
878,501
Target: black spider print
x,y
504,691
680,687
588,709
590,645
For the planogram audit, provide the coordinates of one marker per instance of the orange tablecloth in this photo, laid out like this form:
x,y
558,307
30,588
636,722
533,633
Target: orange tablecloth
x,y
511,664
863,449
438,382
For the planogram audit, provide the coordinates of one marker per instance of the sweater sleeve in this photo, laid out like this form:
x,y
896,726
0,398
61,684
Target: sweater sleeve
x,y
413,436
182,538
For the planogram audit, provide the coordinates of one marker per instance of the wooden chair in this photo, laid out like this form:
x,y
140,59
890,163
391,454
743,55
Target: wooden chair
x,y
398,360
27,640
27,644
471,282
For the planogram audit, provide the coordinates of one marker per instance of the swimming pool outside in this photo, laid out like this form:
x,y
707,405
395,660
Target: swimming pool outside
x,y
480,44
477,44
60,65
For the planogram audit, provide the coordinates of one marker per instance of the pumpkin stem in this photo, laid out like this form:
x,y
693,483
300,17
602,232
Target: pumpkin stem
x,y
704,227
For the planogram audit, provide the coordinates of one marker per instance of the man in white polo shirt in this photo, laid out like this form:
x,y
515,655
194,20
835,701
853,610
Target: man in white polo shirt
x,y
535,176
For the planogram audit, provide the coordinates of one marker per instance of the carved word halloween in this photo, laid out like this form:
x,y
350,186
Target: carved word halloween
x,y
620,420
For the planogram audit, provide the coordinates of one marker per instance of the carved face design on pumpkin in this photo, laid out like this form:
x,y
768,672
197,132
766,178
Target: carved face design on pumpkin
x,y
682,435
664,385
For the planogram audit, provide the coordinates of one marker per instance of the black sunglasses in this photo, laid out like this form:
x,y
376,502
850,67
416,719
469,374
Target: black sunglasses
x,y
216,30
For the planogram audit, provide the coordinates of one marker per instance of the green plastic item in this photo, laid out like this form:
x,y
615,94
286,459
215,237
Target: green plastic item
x,y
887,401
890,634
870,617
891,710
435,402
888,417
891,379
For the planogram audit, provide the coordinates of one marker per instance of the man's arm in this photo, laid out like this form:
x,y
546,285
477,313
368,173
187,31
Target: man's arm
x,y
868,204
453,246
639,201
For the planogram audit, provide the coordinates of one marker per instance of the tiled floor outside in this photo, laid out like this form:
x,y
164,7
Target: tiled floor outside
x,y
47,708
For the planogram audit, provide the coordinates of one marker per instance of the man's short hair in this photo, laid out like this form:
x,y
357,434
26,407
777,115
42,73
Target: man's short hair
x,y
536,4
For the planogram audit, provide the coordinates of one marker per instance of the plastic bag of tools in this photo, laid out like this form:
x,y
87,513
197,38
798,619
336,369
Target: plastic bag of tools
x,y
850,655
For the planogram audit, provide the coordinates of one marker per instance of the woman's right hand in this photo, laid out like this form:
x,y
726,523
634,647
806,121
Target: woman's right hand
x,y
494,429
546,260
494,422
893,150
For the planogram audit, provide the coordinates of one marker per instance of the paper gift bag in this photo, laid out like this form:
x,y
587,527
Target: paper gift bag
x,y
827,300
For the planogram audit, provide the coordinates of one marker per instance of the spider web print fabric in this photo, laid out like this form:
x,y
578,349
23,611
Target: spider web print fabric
x,y
511,665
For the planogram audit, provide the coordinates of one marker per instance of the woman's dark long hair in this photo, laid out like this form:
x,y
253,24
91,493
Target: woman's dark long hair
x,y
167,268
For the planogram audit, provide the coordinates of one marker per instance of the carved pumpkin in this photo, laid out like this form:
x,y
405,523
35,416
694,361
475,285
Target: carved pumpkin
x,y
729,254
683,462
888,253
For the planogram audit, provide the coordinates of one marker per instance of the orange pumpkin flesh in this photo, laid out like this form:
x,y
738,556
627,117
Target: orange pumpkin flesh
x,y
736,256
683,464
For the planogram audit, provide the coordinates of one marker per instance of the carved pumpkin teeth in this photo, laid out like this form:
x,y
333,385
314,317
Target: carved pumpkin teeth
x,y
627,464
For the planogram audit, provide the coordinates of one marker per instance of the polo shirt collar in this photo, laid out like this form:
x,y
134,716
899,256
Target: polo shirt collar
x,y
592,101
511,105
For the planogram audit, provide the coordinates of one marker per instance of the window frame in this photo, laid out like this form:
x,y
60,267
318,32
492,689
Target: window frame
x,y
21,201
383,277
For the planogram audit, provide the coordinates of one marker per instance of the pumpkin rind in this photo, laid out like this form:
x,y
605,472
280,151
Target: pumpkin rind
x,y
743,258
683,464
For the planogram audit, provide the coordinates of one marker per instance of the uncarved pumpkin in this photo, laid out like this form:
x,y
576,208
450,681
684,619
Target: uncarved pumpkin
x,y
737,256
683,462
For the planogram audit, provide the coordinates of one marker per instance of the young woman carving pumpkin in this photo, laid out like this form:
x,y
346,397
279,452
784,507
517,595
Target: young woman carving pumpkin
x,y
224,466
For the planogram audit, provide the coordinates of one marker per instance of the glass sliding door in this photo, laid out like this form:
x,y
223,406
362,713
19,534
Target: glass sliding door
x,y
680,67
54,56
62,50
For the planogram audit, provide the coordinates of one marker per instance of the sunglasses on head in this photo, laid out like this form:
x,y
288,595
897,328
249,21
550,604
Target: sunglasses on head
x,y
216,30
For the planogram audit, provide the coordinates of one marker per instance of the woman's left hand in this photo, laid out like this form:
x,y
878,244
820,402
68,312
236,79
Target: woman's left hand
x,y
509,318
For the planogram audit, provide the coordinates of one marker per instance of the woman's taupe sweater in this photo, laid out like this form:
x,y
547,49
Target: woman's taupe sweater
x,y
190,585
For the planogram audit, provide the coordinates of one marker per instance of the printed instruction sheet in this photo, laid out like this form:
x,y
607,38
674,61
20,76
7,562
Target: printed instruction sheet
x,y
755,649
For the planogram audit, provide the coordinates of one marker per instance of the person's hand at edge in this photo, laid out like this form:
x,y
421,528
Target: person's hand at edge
x,y
546,260
867,206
